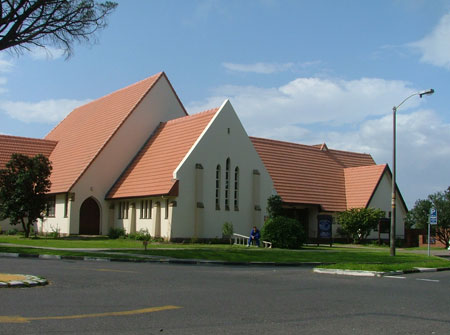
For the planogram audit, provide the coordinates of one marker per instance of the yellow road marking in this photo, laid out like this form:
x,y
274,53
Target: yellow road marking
x,y
21,319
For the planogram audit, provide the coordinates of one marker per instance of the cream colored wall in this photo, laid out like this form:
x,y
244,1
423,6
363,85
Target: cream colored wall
x,y
49,224
149,224
214,146
382,200
159,105
59,222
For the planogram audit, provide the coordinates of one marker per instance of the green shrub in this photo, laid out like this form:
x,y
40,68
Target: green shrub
x,y
12,232
115,233
142,235
227,230
284,232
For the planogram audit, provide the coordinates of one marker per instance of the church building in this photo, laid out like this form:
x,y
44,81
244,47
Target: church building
x,y
135,159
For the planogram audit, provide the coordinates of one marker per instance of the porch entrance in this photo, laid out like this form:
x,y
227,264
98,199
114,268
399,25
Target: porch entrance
x,y
301,215
89,218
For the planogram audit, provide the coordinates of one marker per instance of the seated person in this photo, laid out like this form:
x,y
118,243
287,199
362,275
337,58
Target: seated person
x,y
254,236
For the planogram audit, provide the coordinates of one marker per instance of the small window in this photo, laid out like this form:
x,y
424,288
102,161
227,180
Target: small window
x,y
146,209
236,189
218,187
166,214
123,209
227,185
50,206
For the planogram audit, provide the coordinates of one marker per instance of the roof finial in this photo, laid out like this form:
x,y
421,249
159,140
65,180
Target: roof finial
x,y
323,147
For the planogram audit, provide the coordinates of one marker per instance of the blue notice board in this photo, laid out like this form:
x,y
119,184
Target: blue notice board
x,y
324,229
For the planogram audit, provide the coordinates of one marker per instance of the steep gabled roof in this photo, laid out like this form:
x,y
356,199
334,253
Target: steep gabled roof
x,y
361,183
306,174
151,171
87,129
23,145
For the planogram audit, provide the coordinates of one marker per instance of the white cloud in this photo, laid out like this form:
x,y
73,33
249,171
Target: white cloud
x,y
47,53
310,100
6,65
435,47
261,68
353,115
46,111
423,148
269,68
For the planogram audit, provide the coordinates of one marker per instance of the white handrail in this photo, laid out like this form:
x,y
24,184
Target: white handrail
x,y
243,240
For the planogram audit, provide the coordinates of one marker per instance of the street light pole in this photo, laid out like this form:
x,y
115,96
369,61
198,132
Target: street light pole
x,y
394,184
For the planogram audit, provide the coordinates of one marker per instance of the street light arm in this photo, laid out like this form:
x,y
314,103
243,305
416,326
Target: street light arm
x,y
420,94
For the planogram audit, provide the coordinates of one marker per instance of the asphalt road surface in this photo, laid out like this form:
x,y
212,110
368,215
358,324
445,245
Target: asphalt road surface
x,y
87,297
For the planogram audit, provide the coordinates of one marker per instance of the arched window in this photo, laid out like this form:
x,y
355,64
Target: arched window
x,y
236,189
218,187
227,185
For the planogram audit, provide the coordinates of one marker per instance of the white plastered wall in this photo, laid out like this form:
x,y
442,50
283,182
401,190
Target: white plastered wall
x,y
58,223
158,216
382,199
159,105
223,138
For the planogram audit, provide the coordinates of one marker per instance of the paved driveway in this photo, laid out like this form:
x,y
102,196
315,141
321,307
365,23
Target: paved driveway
x,y
131,298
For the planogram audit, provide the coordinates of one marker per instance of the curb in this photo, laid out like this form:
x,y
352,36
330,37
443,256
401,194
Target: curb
x,y
160,260
359,273
363,273
29,281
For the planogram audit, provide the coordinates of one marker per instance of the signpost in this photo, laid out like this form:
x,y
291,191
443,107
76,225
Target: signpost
x,y
432,220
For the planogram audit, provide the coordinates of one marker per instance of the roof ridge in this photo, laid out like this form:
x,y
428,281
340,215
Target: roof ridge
x,y
366,166
182,118
107,96
294,144
28,138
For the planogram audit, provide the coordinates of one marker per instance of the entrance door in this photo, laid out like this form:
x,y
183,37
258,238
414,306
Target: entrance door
x,y
89,217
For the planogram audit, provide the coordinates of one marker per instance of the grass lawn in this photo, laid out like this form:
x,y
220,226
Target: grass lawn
x,y
342,256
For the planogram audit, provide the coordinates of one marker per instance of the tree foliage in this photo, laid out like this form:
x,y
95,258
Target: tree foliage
x,y
359,222
284,232
275,206
27,23
418,216
23,187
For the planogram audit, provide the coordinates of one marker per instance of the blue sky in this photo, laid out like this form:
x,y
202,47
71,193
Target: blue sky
x,y
302,71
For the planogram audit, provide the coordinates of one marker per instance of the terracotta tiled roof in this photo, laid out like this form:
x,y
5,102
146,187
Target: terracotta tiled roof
x,y
360,184
306,174
87,129
23,145
151,171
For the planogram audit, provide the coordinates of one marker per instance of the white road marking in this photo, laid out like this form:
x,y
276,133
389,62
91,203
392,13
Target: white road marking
x,y
394,277
431,280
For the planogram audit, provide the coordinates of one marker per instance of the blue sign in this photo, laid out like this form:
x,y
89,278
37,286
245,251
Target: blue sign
x,y
433,216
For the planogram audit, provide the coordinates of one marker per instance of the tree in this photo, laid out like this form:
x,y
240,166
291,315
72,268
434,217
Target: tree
x,y
359,222
23,187
275,206
418,216
26,23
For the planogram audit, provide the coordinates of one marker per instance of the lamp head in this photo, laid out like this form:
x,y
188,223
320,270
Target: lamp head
x,y
426,92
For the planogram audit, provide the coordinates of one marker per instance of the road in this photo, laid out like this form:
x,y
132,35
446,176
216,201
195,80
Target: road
x,y
87,297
